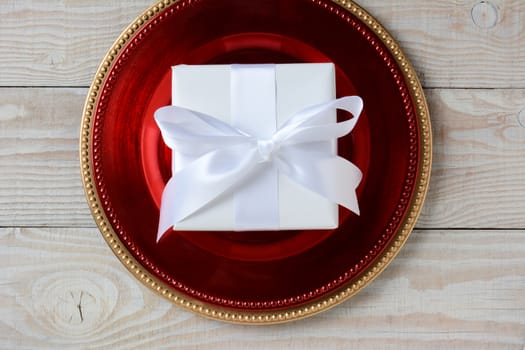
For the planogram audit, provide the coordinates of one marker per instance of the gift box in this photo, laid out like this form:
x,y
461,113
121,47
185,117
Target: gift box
x,y
256,101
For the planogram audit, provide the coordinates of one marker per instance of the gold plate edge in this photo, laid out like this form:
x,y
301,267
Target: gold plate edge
x,y
254,317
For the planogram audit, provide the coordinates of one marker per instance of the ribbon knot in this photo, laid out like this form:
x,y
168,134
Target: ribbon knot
x,y
267,149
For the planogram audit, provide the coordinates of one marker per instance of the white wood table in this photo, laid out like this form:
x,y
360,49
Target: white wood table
x,y
459,283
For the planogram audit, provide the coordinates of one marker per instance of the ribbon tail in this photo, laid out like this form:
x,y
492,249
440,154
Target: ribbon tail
x,y
165,219
202,181
332,177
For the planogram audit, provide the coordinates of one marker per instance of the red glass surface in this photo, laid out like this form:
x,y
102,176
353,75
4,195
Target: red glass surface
x,y
254,270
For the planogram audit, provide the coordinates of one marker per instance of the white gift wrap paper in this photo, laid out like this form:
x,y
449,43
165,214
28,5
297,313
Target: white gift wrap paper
x,y
258,104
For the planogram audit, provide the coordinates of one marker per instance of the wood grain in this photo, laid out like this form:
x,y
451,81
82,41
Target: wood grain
x,y
59,42
477,179
478,159
39,169
50,43
459,43
62,288
459,283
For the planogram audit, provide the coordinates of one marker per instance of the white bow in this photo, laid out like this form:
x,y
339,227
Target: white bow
x,y
226,156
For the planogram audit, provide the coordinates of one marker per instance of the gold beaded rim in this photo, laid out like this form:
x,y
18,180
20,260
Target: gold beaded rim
x,y
254,317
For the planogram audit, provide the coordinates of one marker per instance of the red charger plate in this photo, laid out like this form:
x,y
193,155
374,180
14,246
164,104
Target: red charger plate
x,y
255,277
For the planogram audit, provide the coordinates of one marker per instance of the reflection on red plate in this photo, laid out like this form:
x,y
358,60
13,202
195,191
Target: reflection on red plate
x,y
256,271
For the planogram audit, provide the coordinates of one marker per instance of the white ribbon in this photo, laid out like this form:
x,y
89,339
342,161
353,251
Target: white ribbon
x,y
253,109
226,157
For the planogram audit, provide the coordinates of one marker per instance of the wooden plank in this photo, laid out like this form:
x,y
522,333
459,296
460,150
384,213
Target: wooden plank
x,y
477,179
40,180
63,288
59,42
478,160
50,43
461,43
